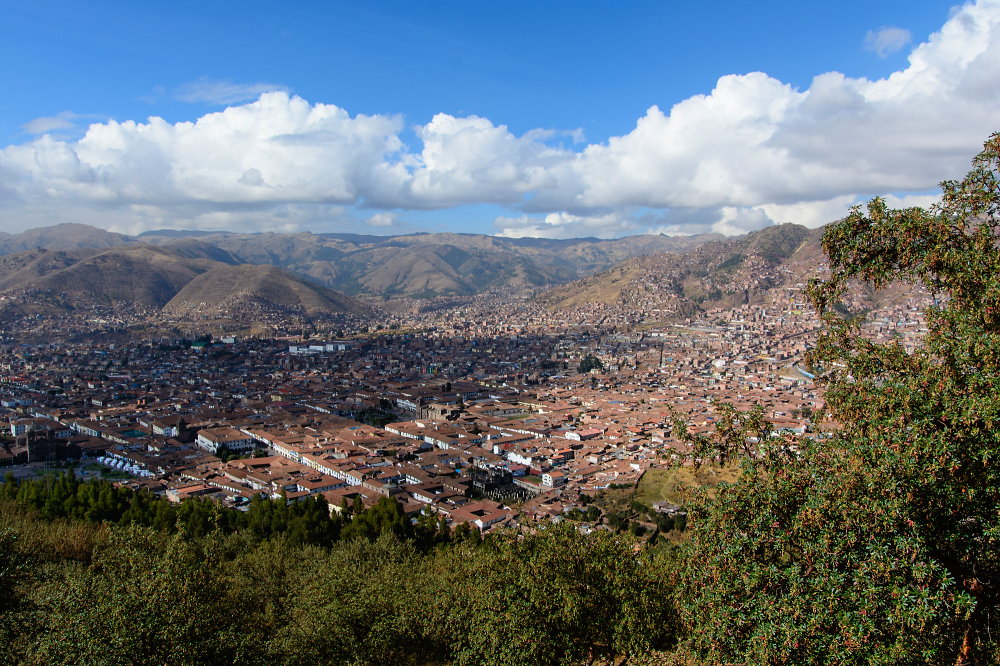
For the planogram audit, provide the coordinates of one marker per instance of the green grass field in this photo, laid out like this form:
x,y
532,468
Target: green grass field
x,y
658,485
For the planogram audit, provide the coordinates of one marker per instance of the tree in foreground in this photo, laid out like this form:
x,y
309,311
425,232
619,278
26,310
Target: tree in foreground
x,y
878,543
549,595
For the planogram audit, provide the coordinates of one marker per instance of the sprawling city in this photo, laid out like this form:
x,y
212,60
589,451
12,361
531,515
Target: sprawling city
x,y
487,413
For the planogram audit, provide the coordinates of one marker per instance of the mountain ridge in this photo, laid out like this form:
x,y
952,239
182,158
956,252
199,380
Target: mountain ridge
x,y
67,236
234,285
420,265
717,274
149,277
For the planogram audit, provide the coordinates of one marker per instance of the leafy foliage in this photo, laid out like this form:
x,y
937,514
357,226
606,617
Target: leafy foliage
x,y
732,261
878,543
553,596
376,417
366,602
97,501
149,600
149,597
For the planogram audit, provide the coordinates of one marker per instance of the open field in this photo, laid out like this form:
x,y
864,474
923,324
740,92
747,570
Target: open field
x,y
658,485
615,501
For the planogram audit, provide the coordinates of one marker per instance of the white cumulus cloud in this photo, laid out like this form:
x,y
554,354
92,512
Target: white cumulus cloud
x,y
753,151
470,160
565,225
383,219
276,152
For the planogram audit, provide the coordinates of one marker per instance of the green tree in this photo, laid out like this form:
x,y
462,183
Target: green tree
x,y
553,596
150,599
14,572
363,603
590,362
12,569
385,517
878,543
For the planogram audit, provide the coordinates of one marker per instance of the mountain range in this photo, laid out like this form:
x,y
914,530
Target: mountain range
x,y
180,272
147,277
416,265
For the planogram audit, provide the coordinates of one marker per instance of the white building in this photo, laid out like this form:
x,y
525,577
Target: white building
x,y
211,439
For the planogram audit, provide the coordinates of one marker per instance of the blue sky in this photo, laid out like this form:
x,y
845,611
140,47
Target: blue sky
x,y
563,79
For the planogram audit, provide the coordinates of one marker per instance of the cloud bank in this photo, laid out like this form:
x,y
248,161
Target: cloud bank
x,y
752,152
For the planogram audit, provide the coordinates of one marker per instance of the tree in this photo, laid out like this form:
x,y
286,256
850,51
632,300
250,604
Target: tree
x,y
13,569
552,595
151,600
363,603
13,573
225,454
591,362
880,542
385,517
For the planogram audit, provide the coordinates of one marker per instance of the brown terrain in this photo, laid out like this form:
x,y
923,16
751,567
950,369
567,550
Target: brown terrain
x,y
720,273
149,277
226,286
